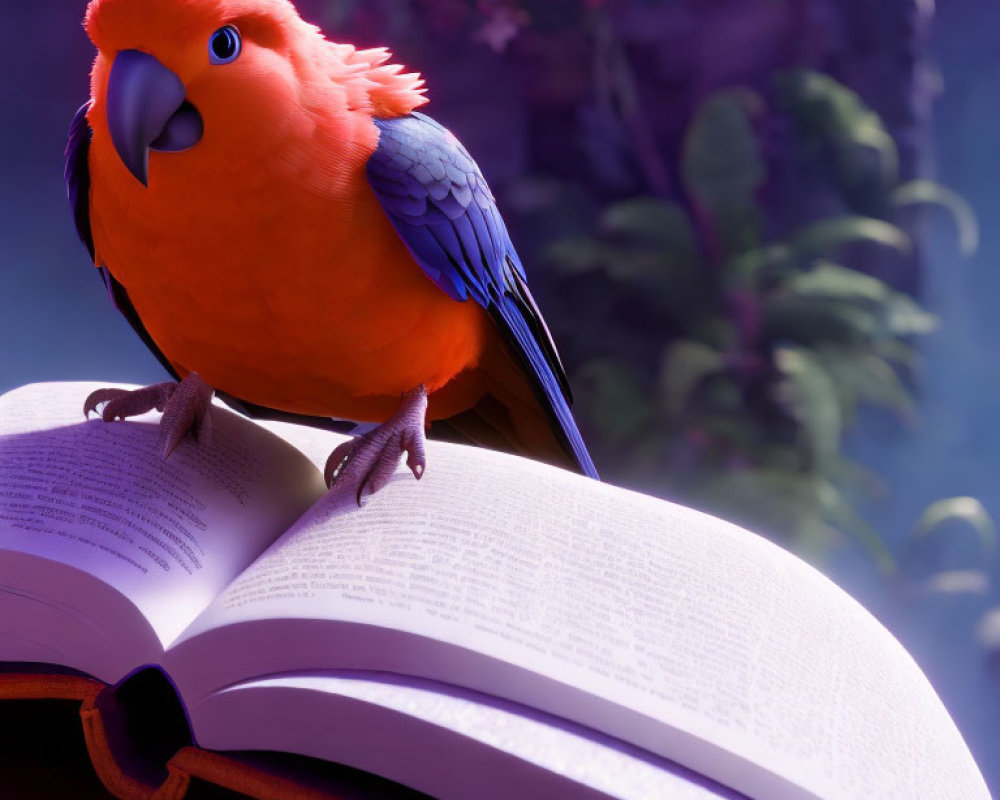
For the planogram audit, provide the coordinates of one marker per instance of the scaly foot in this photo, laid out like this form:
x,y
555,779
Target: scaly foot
x,y
365,464
184,405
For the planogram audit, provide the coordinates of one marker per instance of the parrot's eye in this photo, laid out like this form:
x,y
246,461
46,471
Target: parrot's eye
x,y
224,46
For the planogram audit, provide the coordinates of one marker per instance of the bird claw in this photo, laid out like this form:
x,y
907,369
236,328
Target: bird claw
x,y
367,463
184,405
122,403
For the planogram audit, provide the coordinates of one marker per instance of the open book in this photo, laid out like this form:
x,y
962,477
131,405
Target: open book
x,y
500,629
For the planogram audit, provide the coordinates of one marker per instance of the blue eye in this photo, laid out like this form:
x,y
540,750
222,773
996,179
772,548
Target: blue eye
x,y
224,46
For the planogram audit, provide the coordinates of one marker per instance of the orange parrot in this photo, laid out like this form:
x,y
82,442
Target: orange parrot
x,y
279,225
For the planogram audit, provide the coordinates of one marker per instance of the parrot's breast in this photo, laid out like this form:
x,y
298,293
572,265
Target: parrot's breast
x,y
281,282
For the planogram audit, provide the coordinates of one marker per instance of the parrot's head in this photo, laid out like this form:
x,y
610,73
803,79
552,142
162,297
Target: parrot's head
x,y
221,79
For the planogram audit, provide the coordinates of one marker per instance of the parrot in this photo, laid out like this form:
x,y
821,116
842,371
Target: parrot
x,y
282,227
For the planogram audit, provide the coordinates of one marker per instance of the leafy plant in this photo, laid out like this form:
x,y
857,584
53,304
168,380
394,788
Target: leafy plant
x,y
932,564
768,344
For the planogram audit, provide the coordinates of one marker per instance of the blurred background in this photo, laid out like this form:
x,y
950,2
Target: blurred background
x,y
760,230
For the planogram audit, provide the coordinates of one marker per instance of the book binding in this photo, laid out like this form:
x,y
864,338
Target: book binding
x,y
99,715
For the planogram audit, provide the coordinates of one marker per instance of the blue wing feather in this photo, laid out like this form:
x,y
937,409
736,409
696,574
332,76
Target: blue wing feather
x,y
439,203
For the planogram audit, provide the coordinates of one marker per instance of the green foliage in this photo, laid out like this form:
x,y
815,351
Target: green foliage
x,y
826,236
615,395
722,167
686,366
808,393
834,119
964,509
653,222
925,562
927,192
768,345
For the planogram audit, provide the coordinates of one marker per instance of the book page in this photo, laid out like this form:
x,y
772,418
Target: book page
x,y
166,534
662,626
400,727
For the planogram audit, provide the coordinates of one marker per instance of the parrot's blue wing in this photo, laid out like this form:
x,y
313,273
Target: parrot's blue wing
x,y
439,203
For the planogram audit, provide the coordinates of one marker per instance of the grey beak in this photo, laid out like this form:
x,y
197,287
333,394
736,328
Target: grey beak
x,y
146,108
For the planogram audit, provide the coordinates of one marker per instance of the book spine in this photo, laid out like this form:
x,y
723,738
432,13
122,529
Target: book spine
x,y
239,777
29,686
121,785
186,763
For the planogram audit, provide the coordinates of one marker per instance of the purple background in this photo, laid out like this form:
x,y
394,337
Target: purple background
x,y
56,323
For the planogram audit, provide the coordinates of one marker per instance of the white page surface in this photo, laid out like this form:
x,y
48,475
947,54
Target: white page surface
x,y
695,639
168,534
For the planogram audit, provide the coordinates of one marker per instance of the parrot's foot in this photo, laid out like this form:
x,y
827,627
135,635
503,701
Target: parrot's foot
x,y
366,463
184,405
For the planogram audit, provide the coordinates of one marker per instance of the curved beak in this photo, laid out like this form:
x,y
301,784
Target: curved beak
x,y
146,110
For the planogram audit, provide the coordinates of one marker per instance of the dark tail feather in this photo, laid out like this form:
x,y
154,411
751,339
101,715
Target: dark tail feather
x,y
513,417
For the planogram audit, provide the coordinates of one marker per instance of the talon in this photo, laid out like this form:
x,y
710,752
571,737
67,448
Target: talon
x,y
185,407
367,463
416,459
100,397
337,461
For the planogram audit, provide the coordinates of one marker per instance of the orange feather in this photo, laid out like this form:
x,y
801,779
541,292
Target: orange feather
x,y
262,258
281,280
